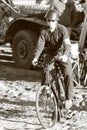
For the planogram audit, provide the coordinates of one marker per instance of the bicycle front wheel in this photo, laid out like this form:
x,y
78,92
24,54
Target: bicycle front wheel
x,y
46,107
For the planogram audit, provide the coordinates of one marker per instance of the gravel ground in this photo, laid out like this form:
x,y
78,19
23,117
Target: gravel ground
x,y
18,89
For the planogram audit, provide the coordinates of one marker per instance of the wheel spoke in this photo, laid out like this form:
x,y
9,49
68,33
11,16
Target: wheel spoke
x,y
46,107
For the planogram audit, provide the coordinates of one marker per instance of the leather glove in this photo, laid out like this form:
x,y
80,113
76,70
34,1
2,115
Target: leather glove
x,y
34,62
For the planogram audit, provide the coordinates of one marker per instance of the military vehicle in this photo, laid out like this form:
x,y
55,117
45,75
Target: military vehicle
x,y
20,27
20,24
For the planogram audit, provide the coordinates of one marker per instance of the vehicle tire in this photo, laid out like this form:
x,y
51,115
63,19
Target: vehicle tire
x,y
46,107
23,48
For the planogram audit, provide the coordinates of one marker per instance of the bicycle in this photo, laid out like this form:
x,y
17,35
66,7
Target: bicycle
x,y
49,105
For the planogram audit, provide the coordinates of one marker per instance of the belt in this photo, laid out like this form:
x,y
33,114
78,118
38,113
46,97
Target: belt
x,y
52,52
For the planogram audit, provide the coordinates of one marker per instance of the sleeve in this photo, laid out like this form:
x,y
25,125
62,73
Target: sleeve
x,y
65,32
40,44
66,42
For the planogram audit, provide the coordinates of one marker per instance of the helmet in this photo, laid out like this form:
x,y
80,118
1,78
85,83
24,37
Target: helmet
x,y
52,14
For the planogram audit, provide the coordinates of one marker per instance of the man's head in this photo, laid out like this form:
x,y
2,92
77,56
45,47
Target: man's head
x,y
52,17
52,14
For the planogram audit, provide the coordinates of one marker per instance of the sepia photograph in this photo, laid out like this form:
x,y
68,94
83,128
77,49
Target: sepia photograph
x,y
43,64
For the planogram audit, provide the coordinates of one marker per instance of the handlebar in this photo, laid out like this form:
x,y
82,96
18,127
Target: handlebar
x,y
56,61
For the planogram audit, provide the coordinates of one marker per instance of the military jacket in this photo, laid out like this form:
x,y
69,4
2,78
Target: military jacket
x,y
52,42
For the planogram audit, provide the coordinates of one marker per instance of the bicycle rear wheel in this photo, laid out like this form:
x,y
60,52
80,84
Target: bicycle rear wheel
x,y
46,107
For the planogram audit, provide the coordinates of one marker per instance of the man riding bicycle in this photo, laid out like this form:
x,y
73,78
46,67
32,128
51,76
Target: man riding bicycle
x,y
54,41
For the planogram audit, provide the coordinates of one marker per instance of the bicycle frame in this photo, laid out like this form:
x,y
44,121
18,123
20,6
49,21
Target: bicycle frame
x,y
48,104
58,78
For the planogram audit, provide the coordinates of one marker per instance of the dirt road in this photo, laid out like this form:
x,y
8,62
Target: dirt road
x,y
17,99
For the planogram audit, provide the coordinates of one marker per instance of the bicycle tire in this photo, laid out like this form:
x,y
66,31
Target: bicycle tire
x,y
46,107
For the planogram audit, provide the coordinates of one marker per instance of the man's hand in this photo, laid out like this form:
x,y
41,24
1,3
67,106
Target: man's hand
x,y
34,62
63,58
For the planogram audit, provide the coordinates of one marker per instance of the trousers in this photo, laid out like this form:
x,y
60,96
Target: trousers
x,y
66,69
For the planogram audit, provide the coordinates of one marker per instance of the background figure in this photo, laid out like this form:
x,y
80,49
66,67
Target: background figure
x,y
4,11
80,11
67,12
81,7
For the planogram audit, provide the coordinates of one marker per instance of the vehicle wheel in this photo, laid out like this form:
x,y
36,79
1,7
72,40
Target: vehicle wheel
x,y
46,107
23,48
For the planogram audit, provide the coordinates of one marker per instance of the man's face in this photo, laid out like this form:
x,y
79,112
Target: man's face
x,y
52,23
